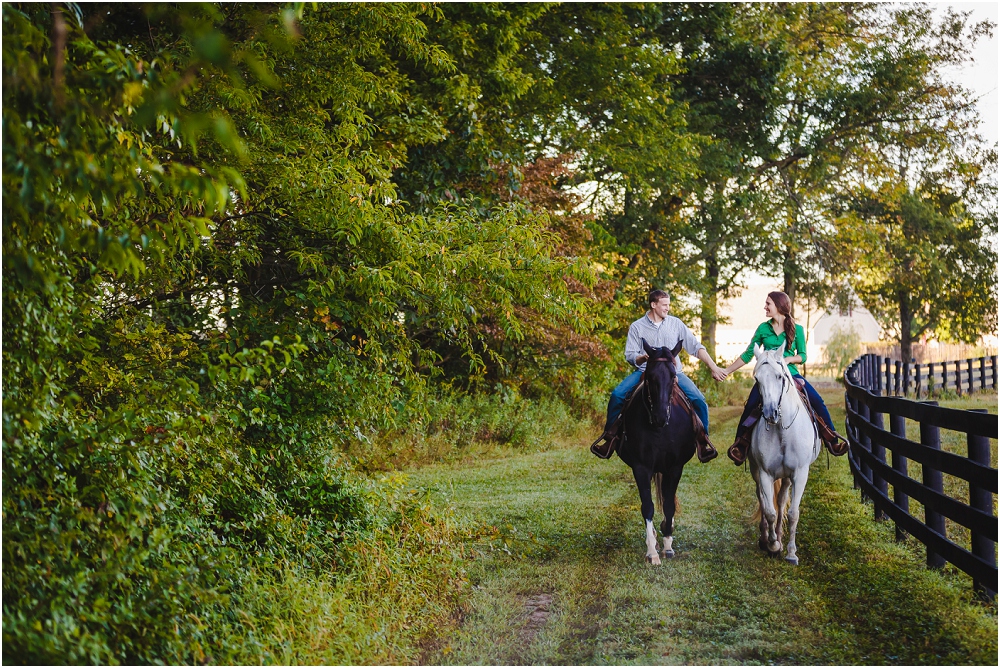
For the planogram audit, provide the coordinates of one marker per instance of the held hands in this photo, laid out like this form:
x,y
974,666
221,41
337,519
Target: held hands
x,y
718,373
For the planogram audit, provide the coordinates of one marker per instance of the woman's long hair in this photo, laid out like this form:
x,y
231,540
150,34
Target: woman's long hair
x,y
784,306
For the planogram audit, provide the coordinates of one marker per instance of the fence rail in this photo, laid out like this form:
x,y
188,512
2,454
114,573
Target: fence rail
x,y
966,376
867,412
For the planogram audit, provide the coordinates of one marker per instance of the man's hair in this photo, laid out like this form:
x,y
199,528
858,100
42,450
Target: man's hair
x,y
657,295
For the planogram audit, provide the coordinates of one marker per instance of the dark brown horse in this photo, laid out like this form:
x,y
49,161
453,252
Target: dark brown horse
x,y
659,441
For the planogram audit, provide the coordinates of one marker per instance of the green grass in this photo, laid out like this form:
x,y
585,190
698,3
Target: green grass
x,y
554,547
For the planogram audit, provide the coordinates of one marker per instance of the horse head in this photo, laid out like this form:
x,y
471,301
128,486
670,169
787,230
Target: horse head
x,y
660,376
773,378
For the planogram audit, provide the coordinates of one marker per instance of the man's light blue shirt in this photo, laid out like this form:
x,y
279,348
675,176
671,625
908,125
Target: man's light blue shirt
x,y
668,333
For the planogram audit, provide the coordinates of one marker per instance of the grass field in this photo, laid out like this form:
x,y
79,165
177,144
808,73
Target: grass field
x,y
554,545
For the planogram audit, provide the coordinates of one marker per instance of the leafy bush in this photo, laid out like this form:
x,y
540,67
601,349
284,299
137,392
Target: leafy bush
x,y
843,347
731,392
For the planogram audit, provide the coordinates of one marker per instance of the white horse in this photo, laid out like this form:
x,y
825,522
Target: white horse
x,y
785,442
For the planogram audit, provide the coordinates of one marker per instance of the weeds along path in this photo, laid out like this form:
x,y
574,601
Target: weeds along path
x,y
555,550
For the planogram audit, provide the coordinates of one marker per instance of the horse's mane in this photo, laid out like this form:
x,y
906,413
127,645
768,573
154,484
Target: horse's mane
x,y
773,356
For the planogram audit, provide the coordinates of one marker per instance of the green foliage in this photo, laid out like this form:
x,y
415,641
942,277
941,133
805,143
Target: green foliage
x,y
732,392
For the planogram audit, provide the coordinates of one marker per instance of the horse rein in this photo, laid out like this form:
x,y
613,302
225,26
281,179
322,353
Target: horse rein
x,y
649,397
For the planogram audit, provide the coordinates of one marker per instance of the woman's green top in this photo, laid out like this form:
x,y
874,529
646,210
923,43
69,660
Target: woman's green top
x,y
766,337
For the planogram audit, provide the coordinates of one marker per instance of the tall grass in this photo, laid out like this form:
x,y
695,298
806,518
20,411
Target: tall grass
x,y
449,426
398,586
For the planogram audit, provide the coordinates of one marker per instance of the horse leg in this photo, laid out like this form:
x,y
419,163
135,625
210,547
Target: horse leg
x,y
798,483
781,490
643,479
769,519
668,505
759,514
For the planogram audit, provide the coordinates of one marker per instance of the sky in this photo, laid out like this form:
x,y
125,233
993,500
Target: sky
x,y
981,75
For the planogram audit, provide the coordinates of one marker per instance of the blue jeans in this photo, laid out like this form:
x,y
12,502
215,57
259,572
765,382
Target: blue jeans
x,y
687,386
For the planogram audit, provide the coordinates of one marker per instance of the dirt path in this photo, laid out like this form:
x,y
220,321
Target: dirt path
x,y
555,547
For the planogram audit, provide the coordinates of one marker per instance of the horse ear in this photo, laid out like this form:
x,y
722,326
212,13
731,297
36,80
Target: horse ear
x,y
677,348
781,350
757,350
645,346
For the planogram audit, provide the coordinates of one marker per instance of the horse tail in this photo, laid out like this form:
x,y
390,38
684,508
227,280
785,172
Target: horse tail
x,y
658,485
758,514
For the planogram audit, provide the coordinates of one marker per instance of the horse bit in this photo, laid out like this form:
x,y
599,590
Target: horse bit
x,y
649,397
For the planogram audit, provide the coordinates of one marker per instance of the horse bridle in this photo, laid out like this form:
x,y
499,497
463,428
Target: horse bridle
x,y
649,397
784,388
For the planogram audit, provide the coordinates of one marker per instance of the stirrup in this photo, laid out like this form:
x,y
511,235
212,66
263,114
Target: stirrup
x,y
738,451
837,445
706,452
606,449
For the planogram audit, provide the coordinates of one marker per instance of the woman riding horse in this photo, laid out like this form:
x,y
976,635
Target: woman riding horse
x,y
781,328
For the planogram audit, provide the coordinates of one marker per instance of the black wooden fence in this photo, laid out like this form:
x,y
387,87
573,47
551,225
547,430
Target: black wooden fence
x,y
961,376
867,413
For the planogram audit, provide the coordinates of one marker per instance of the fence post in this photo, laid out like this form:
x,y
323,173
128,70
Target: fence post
x,y
982,374
897,425
930,436
896,388
916,388
906,378
958,377
878,374
968,368
993,365
865,443
851,375
878,451
888,376
931,382
982,499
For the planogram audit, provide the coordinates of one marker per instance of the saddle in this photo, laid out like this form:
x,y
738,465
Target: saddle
x,y
705,450
833,441
612,436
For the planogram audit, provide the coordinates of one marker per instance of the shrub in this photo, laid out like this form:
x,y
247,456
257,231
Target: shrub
x,y
843,347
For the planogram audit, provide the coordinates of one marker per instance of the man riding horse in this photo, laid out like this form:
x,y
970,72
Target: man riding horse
x,y
658,329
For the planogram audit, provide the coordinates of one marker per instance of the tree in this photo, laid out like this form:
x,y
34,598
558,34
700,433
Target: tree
x,y
933,268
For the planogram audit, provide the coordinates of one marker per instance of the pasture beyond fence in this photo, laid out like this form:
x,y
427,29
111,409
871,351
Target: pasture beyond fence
x,y
867,412
966,376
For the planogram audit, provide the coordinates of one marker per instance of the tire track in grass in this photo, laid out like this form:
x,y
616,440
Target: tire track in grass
x,y
555,532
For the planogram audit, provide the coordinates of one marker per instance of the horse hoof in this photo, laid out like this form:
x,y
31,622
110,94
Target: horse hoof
x,y
668,554
654,560
775,554
794,561
762,544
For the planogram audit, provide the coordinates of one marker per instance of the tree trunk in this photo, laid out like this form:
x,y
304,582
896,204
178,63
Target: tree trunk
x,y
790,278
905,327
710,303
